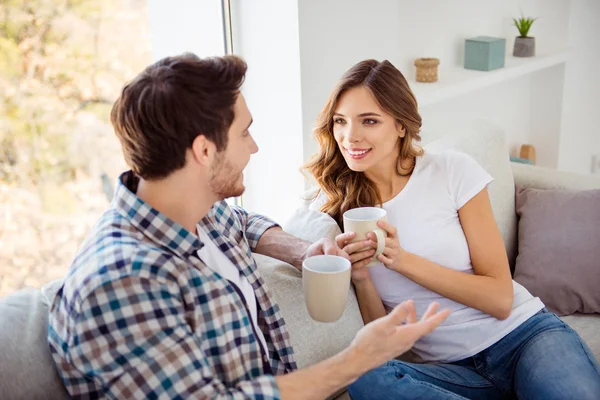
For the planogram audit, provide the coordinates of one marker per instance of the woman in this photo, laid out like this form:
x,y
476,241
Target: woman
x,y
443,245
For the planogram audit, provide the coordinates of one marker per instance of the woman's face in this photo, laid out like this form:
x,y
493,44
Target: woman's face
x,y
367,136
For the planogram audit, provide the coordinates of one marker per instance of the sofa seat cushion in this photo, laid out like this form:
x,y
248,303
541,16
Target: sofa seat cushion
x,y
588,327
26,367
312,341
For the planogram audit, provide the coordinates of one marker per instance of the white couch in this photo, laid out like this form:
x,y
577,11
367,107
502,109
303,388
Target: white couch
x,y
26,368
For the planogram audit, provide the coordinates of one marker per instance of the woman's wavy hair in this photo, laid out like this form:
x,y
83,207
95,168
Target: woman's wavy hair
x,y
346,189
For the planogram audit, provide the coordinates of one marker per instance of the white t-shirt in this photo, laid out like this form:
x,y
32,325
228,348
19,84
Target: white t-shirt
x,y
425,213
214,258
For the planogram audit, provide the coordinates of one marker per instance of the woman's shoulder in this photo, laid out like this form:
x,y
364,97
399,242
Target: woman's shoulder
x,y
434,160
443,156
314,198
446,159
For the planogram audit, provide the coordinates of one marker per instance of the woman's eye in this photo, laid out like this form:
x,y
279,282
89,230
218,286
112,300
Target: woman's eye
x,y
338,121
369,121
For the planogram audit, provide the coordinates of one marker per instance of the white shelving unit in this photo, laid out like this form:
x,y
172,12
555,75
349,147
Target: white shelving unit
x,y
458,81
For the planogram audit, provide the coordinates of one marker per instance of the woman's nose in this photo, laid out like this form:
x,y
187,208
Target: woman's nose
x,y
352,135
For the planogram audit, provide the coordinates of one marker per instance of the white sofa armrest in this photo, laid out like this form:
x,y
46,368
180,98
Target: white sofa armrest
x,y
546,178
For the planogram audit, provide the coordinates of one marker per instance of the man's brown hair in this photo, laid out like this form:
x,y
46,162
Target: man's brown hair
x,y
160,112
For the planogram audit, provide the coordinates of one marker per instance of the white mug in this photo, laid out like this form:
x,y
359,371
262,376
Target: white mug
x,y
363,220
326,283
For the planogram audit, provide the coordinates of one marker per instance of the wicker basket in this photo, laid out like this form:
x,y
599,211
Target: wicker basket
x,y
427,69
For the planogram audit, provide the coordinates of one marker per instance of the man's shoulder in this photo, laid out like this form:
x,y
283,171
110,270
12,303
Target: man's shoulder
x,y
114,239
116,250
224,215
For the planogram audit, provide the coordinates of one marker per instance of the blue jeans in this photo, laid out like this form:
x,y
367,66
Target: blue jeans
x,y
542,359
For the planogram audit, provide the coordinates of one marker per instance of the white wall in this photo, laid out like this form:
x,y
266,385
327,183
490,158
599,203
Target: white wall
x,y
179,26
438,28
336,34
581,102
298,49
266,35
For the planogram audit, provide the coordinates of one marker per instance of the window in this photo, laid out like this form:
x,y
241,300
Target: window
x,y
62,65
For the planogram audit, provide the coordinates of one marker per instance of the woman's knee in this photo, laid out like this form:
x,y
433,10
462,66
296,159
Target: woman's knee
x,y
376,381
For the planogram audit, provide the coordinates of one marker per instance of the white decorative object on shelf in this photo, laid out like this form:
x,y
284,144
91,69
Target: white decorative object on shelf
x,y
458,81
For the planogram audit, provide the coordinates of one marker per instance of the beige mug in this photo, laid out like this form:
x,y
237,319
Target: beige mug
x,y
326,283
363,220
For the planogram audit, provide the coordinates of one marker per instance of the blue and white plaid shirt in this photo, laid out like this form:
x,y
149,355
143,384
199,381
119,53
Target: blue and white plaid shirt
x,y
141,316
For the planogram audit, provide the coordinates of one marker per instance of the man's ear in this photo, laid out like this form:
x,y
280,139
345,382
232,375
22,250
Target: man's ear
x,y
203,150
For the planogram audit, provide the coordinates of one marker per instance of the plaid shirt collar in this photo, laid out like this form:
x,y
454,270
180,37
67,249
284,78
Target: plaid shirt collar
x,y
155,225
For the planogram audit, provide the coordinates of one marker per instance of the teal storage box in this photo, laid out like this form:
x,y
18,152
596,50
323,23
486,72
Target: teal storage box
x,y
521,160
485,53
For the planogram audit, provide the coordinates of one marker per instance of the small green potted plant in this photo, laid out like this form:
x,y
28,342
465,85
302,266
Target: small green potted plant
x,y
524,44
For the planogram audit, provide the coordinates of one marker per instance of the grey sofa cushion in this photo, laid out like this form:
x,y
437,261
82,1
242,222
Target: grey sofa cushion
x,y
26,367
558,248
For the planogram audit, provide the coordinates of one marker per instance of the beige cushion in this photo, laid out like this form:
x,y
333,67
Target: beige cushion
x,y
26,367
546,178
312,341
490,150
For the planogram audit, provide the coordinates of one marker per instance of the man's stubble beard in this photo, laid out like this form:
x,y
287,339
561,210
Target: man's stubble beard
x,y
223,180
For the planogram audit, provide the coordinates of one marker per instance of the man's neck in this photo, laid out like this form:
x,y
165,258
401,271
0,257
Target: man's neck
x,y
178,197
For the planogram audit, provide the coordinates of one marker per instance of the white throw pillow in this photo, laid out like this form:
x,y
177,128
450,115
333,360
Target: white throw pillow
x,y
311,225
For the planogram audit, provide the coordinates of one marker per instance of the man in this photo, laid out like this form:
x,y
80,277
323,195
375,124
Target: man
x,y
163,298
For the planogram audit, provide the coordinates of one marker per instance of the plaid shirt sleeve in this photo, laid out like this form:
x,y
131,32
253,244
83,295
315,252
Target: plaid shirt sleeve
x,y
131,337
254,225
